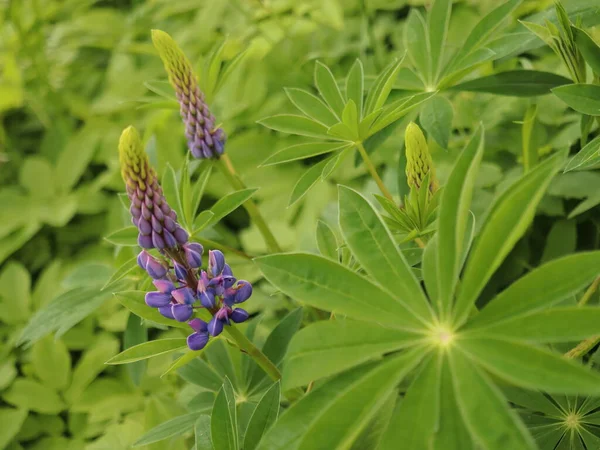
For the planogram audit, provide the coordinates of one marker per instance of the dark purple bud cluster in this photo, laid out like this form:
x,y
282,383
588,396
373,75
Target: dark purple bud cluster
x,y
181,288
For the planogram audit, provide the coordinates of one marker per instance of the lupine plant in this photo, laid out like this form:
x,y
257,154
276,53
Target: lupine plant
x,y
359,227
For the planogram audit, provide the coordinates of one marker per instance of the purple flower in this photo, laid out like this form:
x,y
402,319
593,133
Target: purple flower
x,y
180,271
197,341
157,299
239,315
215,326
164,286
166,311
193,255
182,313
184,296
216,263
155,268
243,291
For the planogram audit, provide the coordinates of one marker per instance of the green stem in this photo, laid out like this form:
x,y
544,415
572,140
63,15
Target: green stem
x,y
235,181
589,292
224,248
248,347
583,347
373,171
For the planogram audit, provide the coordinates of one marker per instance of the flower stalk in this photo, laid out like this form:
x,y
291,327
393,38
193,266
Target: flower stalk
x,y
373,171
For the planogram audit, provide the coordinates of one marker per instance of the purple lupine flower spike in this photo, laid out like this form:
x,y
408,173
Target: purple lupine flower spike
x,y
150,212
193,254
203,139
216,263
155,268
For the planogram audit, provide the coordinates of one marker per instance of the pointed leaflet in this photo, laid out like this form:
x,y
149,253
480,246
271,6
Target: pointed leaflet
x,y
169,429
292,124
326,241
327,347
583,98
484,410
264,416
416,417
532,367
302,151
134,302
328,88
429,269
334,414
515,83
355,86
312,106
541,288
223,428
588,48
307,181
373,246
437,27
509,218
436,119
327,285
202,432
148,350
453,215
555,325
417,43
381,88
587,158
398,109
229,203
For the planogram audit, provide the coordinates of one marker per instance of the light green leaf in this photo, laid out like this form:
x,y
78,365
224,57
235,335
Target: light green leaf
x,y
202,431
515,83
381,88
555,325
416,41
588,157
187,358
371,435
437,28
289,123
326,285
170,184
588,48
74,159
148,350
201,374
123,270
52,362
328,88
264,416
350,118
453,216
499,427
351,399
541,288
532,367
328,347
509,217
169,429
312,106
436,118
583,98
200,186
373,246
306,181
429,269
28,394
398,109
134,302
223,427
11,420
355,86
326,241
333,163
230,203
125,236
302,151
15,294
416,417
202,220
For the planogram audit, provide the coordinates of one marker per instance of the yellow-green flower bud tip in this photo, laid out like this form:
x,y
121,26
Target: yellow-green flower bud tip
x,y
178,67
135,167
418,158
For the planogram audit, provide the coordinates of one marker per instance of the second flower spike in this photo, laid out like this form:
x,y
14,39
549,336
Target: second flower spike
x,y
203,139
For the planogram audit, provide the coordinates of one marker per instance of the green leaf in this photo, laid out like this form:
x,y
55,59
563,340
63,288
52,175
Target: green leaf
x,y
275,347
416,418
200,186
15,294
588,48
306,181
303,151
52,362
11,420
371,435
436,118
148,350
398,109
62,313
230,203
326,241
134,302
417,43
326,285
171,428
482,31
555,325
484,410
350,399
381,88
125,236
202,431
334,162
328,88
312,106
289,123
583,98
509,217
588,157
328,347
201,374
28,394
264,416
74,159
532,367
516,83
187,358
202,220
350,118
355,86
373,246
170,184
530,152
220,358
123,270
429,269
453,216
135,333
223,427
437,28
541,288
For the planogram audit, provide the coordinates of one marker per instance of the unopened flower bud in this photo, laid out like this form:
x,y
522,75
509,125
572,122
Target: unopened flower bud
x,y
418,159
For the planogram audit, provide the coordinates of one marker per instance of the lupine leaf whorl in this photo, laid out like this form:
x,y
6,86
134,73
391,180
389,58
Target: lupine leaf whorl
x,y
204,141
418,158
150,213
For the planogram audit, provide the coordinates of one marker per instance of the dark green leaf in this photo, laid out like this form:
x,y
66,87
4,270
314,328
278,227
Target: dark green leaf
x,y
223,428
436,119
303,151
171,428
588,48
202,432
230,203
135,334
583,98
516,83
264,416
